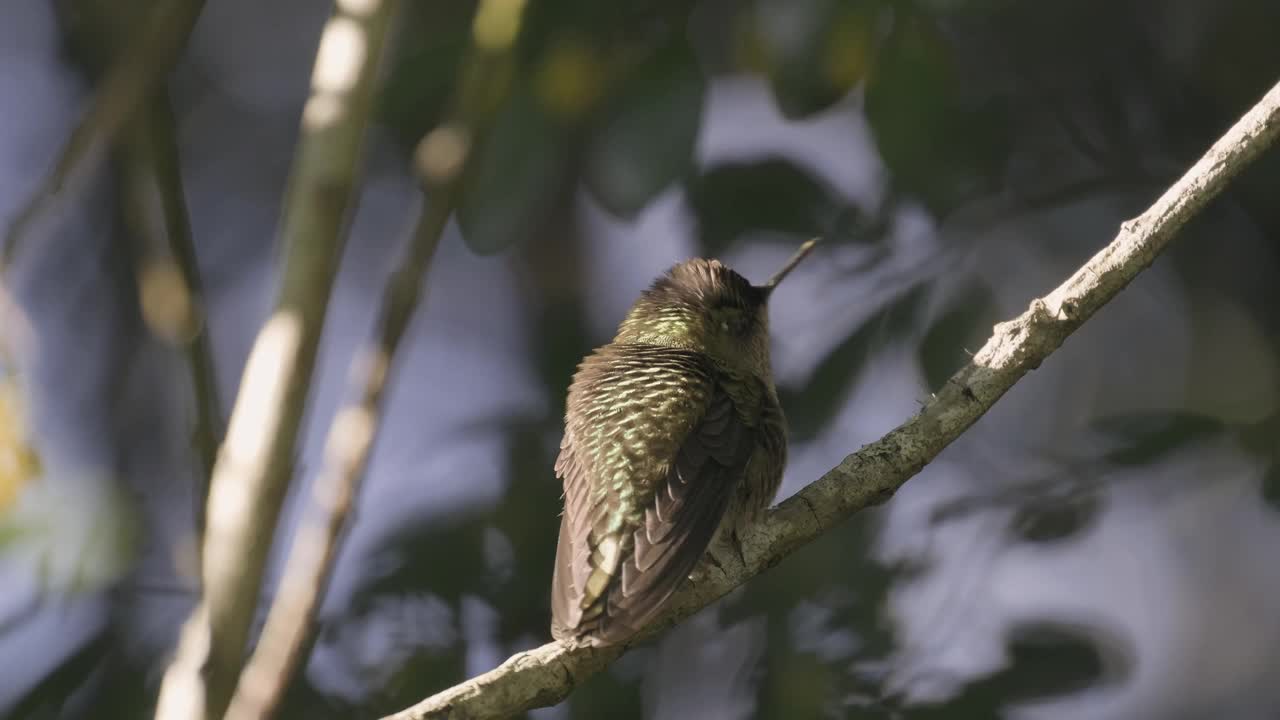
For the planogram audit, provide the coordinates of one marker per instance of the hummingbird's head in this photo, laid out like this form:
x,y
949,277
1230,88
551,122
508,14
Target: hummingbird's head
x,y
704,305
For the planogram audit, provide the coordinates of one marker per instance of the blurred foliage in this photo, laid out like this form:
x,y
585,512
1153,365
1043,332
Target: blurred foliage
x,y
813,52
624,168
95,29
616,100
957,333
19,463
514,176
1044,661
589,97
51,697
1271,487
939,147
776,195
1053,519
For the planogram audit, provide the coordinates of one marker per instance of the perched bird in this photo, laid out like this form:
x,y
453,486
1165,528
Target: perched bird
x,y
673,437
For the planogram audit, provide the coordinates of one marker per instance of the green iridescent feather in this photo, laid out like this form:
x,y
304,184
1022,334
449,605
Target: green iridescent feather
x,y
673,434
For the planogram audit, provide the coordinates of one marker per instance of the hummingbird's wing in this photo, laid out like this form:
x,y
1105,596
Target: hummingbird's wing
x,y
649,462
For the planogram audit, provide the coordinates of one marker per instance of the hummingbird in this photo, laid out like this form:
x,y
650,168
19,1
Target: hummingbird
x,y
674,440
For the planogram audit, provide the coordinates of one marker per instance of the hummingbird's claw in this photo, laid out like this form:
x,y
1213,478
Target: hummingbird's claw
x,y
736,542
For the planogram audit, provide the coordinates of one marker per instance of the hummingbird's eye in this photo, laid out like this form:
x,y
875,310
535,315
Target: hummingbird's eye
x,y
733,322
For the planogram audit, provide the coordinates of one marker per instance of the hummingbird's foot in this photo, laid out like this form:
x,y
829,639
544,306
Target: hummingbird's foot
x,y
728,542
736,543
703,568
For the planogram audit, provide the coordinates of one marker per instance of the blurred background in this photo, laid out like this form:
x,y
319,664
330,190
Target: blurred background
x,y
1101,545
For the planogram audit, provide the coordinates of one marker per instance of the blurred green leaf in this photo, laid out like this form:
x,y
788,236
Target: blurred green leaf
x,y
420,84
1056,518
1143,438
443,555
813,52
1271,486
1050,659
423,73
1046,660
79,540
647,136
936,144
54,696
11,532
773,194
962,327
515,174
95,30
796,684
570,78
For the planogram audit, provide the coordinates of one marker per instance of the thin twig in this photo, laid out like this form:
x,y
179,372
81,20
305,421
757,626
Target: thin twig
x,y
546,675
442,157
198,347
350,441
153,207
255,465
169,288
131,79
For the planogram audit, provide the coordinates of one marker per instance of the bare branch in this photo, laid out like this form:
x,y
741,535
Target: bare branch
x,y
256,462
169,288
285,636
108,34
351,436
546,675
442,157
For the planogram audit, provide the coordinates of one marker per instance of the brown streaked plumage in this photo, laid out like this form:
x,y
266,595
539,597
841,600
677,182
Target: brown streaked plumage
x,y
673,435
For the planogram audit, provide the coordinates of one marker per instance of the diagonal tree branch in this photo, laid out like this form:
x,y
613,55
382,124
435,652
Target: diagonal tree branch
x,y
253,470
546,675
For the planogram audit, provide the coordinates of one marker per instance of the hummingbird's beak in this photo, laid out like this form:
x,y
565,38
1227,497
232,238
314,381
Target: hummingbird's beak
x,y
791,264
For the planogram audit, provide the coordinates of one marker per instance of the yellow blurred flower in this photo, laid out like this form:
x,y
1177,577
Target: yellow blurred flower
x,y
570,79
19,463
849,49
